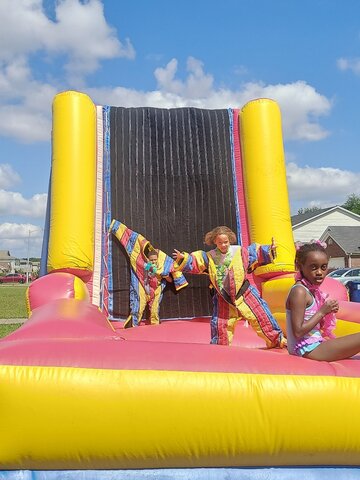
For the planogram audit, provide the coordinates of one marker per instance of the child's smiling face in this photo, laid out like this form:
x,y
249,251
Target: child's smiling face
x,y
222,243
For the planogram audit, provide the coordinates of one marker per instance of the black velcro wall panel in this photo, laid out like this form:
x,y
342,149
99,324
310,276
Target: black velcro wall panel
x,y
171,181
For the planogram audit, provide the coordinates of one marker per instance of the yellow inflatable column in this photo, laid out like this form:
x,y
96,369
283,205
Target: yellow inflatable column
x,y
73,177
266,191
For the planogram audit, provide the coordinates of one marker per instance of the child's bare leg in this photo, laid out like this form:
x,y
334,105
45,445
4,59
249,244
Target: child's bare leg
x,y
336,349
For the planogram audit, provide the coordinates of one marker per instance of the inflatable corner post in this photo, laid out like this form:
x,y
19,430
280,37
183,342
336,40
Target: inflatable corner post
x,y
71,240
81,396
265,182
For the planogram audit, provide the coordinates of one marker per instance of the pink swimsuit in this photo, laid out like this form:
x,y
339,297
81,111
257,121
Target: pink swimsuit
x,y
300,346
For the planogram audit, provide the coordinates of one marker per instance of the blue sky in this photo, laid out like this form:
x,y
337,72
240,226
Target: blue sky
x,y
205,53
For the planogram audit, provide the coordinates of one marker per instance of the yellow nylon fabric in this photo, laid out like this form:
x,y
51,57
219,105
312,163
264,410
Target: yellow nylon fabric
x,y
236,266
71,241
157,419
80,289
27,300
139,247
264,173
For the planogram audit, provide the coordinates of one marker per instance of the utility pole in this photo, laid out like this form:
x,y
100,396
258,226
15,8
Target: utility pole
x,y
38,229
28,253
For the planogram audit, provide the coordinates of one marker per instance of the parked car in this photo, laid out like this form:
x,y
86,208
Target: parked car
x,y
345,275
13,278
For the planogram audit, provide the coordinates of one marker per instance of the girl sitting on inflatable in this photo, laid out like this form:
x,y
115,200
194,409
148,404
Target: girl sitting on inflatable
x,y
310,315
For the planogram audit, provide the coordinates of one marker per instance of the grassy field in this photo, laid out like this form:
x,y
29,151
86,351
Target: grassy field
x,y
6,329
13,301
12,305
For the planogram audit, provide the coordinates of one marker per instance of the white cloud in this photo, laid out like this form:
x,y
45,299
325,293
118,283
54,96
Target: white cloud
x,y
197,85
13,203
22,123
80,32
8,176
79,38
352,64
240,70
21,239
301,105
322,187
24,103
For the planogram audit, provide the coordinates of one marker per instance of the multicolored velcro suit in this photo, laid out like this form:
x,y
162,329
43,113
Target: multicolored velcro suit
x,y
234,298
146,282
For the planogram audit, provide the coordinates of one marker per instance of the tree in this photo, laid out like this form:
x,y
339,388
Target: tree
x,y
301,211
353,203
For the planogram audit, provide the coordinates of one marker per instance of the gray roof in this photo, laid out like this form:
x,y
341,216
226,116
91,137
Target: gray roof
x,y
348,238
302,217
5,255
308,216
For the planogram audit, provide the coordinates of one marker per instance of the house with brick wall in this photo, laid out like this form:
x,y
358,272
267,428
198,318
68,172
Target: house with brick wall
x,y
7,262
343,246
307,226
336,226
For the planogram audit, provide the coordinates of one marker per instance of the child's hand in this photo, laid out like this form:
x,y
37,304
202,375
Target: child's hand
x,y
177,255
273,247
330,306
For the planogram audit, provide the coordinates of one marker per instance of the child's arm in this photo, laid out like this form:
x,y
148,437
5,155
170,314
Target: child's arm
x,y
261,255
179,280
169,274
132,241
195,262
297,303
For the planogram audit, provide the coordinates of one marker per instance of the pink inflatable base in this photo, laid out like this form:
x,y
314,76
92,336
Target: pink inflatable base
x,y
74,333
194,331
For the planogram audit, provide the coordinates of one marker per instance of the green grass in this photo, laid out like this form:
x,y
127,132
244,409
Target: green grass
x,y
13,301
6,329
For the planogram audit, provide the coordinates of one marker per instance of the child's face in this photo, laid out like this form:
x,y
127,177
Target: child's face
x,y
153,259
315,267
222,242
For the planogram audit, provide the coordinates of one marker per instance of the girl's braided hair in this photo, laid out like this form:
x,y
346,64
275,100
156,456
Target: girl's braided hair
x,y
303,249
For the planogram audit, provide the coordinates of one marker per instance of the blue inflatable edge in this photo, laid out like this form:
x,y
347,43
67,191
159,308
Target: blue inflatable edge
x,y
235,187
106,242
45,244
267,473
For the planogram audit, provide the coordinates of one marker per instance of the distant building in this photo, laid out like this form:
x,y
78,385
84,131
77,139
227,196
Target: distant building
x,y
343,246
7,262
22,265
312,225
336,226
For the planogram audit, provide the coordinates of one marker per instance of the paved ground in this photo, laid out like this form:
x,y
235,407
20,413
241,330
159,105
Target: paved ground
x,y
9,321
